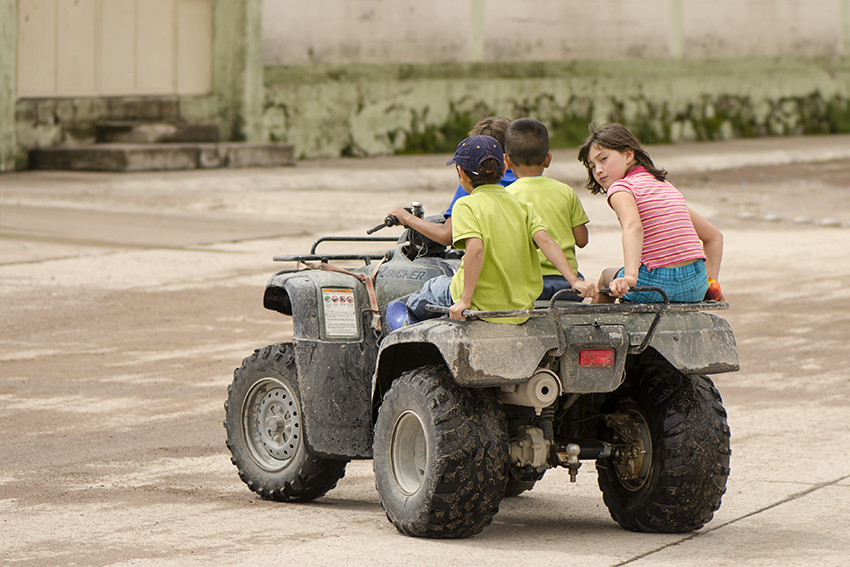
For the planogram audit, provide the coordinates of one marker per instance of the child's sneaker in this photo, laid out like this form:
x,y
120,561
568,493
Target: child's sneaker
x,y
398,316
714,292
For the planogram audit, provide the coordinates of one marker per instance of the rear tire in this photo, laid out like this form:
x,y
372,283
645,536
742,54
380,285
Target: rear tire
x,y
440,455
265,430
676,427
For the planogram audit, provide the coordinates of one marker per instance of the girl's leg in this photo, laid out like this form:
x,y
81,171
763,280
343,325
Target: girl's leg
x,y
608,275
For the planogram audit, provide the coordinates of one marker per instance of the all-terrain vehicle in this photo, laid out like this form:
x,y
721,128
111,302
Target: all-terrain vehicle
x,y
457,415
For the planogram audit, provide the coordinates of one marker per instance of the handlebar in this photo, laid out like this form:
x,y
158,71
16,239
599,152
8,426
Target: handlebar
x,y
389,221
414,209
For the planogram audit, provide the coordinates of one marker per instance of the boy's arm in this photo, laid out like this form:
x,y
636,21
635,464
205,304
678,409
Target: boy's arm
x,y
580,235
578,220
473,260
712,244
437,232
552,251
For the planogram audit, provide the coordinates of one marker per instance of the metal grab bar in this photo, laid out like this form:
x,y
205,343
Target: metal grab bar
x,y
352,239
586,308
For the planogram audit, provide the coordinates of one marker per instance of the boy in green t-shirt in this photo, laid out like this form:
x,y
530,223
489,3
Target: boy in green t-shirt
x,y
527,151
500,234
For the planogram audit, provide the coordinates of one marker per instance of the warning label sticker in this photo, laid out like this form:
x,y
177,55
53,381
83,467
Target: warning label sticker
x,y
340,312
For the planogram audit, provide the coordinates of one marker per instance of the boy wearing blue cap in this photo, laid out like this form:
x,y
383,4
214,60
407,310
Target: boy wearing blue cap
x,y
500,234
493,126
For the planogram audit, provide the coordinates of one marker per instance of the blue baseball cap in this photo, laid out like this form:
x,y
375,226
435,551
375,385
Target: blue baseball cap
x,y
474,150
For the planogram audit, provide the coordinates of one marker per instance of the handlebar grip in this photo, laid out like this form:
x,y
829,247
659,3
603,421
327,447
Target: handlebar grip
x,y
388,221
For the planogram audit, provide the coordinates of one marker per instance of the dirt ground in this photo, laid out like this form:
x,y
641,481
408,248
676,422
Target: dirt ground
x,y
126,301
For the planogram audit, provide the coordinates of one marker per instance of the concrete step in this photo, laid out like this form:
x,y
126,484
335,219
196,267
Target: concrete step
x,y
161,157
135,132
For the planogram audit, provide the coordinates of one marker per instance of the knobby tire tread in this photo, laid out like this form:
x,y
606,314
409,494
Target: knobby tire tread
x,y
691,464
470,437
309,476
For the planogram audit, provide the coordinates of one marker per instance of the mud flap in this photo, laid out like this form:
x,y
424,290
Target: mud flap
x,y
334,375
335,383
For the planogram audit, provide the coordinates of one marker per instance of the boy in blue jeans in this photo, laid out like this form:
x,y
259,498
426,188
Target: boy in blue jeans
x,y
500,234
527,151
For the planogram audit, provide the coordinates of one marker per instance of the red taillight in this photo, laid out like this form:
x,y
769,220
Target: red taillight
x,y
596,358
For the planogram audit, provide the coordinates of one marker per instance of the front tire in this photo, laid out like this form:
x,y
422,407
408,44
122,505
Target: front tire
x,y
440,455
265,430
672,471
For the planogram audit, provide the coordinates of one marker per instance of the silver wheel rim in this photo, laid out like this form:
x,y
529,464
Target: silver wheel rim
x,y
271,420
409,452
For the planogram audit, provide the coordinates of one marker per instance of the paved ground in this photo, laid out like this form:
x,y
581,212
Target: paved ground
x,y
126,301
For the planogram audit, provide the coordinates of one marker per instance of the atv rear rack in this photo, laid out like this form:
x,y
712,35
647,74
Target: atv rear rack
x,y
567,308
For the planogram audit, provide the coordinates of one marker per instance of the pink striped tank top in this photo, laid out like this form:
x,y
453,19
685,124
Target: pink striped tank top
x,y
669,236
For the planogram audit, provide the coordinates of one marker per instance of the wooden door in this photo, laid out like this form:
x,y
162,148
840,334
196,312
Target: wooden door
x,y
114,47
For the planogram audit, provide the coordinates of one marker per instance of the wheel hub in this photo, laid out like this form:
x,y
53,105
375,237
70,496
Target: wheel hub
x,y
276,424
631,432
409,452
272,424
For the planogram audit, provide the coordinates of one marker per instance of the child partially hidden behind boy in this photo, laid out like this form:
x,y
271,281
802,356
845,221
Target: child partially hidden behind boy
x,y
527,149
500,269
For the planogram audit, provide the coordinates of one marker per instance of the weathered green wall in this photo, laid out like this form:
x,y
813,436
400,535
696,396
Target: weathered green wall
x,y
8,65
237,73
334,110
369,108
44,122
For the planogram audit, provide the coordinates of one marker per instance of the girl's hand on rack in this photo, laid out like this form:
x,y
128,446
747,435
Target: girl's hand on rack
x,y
620,286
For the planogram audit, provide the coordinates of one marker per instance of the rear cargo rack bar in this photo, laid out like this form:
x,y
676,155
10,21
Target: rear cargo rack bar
x,y
584,308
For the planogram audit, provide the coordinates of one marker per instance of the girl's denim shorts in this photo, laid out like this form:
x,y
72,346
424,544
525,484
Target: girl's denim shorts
x,y
685,284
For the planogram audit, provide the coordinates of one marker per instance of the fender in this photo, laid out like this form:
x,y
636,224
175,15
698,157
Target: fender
x,y
478,353
481,354
334,358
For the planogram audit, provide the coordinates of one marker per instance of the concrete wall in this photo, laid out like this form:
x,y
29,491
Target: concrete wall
x,y
8,69
238,67
363,77
47,122
377,109
451,31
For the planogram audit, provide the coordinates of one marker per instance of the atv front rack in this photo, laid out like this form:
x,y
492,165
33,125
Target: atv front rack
x,y
325,258
567,308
